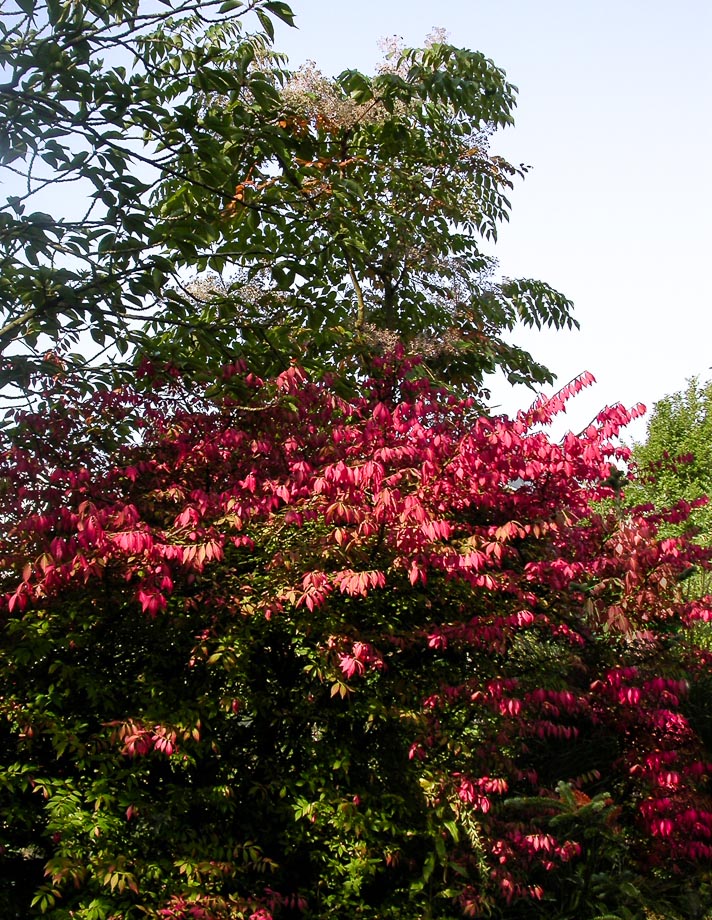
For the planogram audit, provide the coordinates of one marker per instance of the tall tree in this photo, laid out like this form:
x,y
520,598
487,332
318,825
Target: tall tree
x,y
361,222
145,144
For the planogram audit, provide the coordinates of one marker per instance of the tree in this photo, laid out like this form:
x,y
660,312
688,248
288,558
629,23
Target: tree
x,y
360,224
675,461
97,98
327,214
280,653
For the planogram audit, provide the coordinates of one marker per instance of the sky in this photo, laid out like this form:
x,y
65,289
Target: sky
x,y
614,117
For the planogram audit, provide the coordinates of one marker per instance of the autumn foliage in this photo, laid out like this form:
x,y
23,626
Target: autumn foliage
x,y
286,654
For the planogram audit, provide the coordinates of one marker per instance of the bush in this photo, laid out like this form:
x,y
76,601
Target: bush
x,y
282,654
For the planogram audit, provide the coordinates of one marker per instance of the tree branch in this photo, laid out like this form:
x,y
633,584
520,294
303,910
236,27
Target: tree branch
x,y
13,324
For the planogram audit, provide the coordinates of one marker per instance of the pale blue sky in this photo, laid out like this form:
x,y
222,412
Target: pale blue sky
x,y
614,116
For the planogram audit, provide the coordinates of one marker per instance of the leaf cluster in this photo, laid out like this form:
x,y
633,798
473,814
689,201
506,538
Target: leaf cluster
x,y
147,146
296,655
95,102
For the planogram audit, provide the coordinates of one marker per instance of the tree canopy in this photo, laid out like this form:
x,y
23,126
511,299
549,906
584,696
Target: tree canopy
x,y
97,98
145,144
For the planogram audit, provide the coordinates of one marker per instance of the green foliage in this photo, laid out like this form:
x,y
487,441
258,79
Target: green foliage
x,y
357,220
674,465
96,99
146,144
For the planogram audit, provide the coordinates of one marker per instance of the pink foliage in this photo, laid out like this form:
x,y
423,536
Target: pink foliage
x,y
384,499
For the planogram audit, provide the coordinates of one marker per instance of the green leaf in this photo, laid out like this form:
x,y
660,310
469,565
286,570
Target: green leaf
x,y
281,10
266,24
429,867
